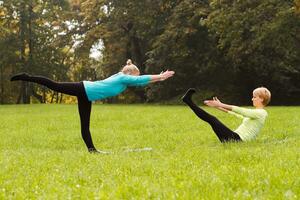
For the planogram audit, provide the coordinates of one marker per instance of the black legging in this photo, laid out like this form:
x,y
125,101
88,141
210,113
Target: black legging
x,y
223,132
84,105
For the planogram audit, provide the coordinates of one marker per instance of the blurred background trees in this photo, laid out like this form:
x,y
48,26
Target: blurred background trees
x,y
224,48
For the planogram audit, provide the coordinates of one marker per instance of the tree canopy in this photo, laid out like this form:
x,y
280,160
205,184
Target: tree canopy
x,y
224,48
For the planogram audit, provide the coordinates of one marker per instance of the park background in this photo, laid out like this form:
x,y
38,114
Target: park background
x,y
224,48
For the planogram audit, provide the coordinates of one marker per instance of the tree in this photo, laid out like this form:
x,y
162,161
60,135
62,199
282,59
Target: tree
x,y
41,34
260,39
184,46
126,29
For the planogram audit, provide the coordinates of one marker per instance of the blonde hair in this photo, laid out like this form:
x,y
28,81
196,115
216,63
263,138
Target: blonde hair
x,y
129,68
129,62
263,93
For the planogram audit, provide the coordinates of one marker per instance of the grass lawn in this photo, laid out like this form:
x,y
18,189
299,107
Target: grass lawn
x,y
42,155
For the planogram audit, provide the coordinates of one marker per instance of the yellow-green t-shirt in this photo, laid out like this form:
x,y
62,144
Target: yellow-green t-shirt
x,y
253,121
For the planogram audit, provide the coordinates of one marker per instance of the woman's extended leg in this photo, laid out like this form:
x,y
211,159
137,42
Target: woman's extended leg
x,y
71,88
223,132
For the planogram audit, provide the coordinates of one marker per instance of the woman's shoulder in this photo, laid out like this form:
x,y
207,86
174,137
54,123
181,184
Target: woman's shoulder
x,y
262,111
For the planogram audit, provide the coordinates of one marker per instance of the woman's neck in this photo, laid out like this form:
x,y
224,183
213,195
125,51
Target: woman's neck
x,y
259,107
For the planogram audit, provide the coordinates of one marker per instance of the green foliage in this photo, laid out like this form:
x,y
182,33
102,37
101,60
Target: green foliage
x,y
42,155
261,41
38,39
183,46
222,47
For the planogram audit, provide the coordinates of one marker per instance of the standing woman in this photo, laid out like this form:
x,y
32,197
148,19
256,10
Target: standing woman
x,y
88,91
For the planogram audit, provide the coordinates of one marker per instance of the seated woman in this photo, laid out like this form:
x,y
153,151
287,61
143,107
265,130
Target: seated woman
x,y
253,119
88,91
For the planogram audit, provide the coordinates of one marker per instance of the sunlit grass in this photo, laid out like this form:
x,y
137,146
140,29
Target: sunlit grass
x,y
43,155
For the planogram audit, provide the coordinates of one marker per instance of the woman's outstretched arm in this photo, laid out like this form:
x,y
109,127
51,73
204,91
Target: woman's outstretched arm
x,y
142,80
245,112
216,103
162,76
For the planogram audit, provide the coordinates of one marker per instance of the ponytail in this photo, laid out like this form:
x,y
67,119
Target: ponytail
x,y
129,62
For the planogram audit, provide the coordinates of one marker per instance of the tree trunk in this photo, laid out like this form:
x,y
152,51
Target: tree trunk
x,y
36,95
139,58
134,49
52,97
135,52
61,97
24,87
57,97
2,85
30,45
44,94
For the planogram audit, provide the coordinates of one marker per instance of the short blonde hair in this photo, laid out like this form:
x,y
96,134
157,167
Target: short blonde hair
x,y
129,67
263,93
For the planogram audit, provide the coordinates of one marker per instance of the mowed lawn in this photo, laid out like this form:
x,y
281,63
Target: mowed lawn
x,y
42,155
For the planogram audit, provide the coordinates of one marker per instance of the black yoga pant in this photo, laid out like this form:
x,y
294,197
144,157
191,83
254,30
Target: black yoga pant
x,y
84,105
223,132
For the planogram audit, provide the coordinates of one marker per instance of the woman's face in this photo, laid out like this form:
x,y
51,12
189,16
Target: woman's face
x,y
256,100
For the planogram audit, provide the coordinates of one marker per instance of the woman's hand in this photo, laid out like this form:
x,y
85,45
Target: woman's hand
x,y
213,103
165,75
162,76
216,103
217,100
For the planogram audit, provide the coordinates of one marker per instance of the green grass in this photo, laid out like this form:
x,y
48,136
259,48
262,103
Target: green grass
x,y
43,155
